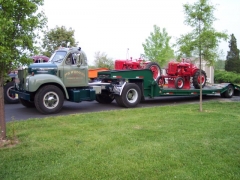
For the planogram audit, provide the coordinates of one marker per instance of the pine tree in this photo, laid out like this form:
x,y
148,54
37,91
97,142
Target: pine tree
x,y
233,62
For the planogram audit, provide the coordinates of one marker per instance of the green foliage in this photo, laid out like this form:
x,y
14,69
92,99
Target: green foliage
x,y
204,39
156,143
157,48
102,61
20,22
54,38
219,65
224,76
233,61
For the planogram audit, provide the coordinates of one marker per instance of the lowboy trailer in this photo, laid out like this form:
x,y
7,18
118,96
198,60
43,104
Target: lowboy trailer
x,y
132,86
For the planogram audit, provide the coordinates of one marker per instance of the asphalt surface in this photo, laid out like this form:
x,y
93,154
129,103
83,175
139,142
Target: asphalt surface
x,y
19,112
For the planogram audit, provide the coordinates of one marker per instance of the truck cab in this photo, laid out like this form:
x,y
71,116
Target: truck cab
x,y
46,85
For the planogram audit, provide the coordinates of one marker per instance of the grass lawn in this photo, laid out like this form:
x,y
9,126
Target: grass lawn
x,y
167,142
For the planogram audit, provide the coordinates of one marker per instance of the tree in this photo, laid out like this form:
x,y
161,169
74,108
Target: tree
x,y
156,46
233,62
102,61
219,65
20,22
203,41
57,37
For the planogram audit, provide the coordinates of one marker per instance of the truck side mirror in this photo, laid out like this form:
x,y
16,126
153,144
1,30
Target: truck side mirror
x,y
79,60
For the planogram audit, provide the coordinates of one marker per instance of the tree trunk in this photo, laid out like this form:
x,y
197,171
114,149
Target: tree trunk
x,y
2,111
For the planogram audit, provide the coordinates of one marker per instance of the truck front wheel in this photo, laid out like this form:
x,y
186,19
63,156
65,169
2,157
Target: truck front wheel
x,y
49,99
131,95
26,103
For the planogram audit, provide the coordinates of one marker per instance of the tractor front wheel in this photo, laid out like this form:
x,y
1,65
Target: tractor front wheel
x,y
155,68
179,83
160,81
196,79
49,99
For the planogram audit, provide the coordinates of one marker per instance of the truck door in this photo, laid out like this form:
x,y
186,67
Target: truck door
x,y
74,76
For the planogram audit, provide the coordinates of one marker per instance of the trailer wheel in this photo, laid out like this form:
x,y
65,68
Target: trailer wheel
x,y
26,103
179,83
131,95
49,99
118,100
104,98
229,92
155,68
196,79
10,98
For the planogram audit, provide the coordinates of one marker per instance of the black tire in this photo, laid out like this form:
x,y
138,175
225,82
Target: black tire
x,y
26,103
131,95
49,99
229,92
10,98
196,79
118,100
179,83
104,98
155,68
160,81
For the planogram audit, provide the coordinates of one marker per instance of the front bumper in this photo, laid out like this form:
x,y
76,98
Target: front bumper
x,y
22,95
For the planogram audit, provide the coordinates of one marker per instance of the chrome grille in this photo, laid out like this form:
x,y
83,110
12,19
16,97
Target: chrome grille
x,y
22,74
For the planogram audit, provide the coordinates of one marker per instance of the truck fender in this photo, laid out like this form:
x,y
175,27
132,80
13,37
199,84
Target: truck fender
x,y
118,89
34,82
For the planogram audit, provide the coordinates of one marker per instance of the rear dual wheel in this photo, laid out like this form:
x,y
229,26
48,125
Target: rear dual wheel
x,y
104,98
130,97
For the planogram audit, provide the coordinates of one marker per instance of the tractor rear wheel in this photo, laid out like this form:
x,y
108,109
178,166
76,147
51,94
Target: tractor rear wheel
x,y
196,79
131,95
179,83
155,68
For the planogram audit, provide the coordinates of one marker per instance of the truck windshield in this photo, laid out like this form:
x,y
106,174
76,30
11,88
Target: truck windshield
x,y
58,56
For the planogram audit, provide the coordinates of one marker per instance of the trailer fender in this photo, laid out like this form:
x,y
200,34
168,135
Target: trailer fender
x,y
34,82
117,89
228,91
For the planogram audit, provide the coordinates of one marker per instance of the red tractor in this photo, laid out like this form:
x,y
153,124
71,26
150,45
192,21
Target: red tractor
x,y
138,64
181,75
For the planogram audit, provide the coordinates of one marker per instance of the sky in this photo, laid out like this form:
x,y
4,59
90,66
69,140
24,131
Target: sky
x,y
119,27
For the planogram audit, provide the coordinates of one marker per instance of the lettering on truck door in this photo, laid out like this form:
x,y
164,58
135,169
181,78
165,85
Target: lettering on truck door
x,y
74,76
